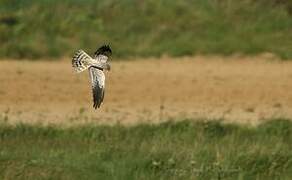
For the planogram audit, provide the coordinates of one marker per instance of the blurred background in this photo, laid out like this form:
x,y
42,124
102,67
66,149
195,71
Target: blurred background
x,y
225,59
36,29
198,89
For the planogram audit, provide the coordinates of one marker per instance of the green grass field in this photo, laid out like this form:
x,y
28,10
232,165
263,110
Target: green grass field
x,y
181,150
52,28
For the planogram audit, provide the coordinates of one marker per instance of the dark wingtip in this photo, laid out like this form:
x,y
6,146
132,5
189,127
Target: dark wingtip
x,y
104,50
96,104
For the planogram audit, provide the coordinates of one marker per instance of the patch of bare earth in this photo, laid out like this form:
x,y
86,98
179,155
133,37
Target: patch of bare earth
x,y
245,90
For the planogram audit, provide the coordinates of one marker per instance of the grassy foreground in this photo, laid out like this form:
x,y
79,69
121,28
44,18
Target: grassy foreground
x,y
182,150
53,28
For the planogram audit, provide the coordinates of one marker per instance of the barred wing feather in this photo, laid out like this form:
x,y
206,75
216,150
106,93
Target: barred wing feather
x,y
81,61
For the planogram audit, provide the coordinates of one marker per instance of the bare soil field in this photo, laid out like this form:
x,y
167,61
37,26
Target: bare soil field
x,y
236,89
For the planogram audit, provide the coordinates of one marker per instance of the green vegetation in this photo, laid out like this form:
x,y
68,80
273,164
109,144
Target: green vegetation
x,y
53,28
181,150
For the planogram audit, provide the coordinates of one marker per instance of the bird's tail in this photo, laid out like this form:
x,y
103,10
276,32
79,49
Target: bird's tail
x,y
81,61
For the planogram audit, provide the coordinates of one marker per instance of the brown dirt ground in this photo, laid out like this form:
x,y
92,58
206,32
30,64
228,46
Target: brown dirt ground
x,y
245,90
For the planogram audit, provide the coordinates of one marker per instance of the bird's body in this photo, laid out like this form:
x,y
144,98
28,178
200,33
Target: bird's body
x,y
96,66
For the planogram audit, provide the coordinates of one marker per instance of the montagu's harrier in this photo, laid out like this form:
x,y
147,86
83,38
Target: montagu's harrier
x,y
96,66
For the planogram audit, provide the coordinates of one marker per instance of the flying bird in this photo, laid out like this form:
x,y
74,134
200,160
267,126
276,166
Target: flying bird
x,y
96,67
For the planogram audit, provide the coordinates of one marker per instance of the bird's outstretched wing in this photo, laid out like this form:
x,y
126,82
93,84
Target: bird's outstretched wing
x,y
104,50
98,85
81,61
